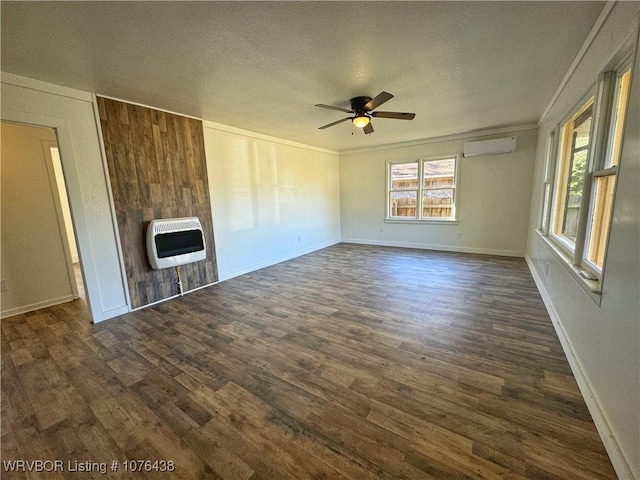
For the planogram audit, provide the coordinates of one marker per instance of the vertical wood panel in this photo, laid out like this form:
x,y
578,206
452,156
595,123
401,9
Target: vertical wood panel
x,y
157,169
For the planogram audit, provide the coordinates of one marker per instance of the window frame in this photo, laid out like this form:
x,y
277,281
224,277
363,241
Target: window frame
x,y
589,100
610,82
419,218
603,127
546,196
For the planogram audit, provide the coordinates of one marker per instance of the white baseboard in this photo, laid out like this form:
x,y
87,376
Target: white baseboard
x,y
10,312
172,297
226,276
444,248
272,261
618,460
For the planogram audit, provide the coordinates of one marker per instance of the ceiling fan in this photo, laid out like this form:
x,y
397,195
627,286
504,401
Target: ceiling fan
x,y
361,109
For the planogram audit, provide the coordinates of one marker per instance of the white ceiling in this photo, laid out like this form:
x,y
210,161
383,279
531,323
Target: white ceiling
x,y
460,66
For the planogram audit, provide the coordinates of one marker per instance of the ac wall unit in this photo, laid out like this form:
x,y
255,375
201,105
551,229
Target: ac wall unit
x,y
489,147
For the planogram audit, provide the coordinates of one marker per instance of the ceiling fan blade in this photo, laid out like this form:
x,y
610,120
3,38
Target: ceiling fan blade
x,y
331,107
334,123
394,115
377,101
368,128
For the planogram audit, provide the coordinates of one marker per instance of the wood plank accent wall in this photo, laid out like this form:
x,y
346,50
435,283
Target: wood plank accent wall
x,y
157,168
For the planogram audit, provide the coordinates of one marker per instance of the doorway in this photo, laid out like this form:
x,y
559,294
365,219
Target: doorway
x,y
56,162
40,264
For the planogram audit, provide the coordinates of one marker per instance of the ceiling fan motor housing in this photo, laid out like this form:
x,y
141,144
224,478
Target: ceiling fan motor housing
x,y
358,103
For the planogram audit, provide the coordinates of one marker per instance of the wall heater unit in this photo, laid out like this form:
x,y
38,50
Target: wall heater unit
x,y
175,241
489,147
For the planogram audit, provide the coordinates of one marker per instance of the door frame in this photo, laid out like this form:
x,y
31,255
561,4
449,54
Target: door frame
x,y
57,202
88,265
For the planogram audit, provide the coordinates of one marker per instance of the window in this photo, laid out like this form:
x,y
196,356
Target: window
x,y
546,185
604,175
577,204
422,190
572,165
403,190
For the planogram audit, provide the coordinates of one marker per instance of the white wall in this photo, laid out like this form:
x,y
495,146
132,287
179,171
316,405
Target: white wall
x,y
71,114
271,200
493,197
35,272
602,341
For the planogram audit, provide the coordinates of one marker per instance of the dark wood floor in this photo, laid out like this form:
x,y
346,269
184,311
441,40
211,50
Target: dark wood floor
x,y
352,362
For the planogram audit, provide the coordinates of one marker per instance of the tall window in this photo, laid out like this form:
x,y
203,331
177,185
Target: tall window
x,y
583,191
422,190
576,134
548,179
404,189
604,174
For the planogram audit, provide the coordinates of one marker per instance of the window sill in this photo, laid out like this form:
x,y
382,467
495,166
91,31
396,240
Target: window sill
x,y
444,221
593,288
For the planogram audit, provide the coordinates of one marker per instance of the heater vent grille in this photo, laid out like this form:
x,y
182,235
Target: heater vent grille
x,y
176,225
175,241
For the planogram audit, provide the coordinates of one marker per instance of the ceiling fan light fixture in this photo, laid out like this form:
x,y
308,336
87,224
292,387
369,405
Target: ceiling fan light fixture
x,y
361,120
363,110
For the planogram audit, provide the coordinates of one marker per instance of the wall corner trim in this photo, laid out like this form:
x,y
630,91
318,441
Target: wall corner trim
x,y
618,460
506,130
38,85
259,136
227,128
597,26
112,208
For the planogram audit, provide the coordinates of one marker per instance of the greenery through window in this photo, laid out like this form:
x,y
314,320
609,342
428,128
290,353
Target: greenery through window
x,y
576,134
583,191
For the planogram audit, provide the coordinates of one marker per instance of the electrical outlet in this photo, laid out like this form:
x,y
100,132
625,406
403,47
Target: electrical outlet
x,y
3,286
546,269
299,239
459,235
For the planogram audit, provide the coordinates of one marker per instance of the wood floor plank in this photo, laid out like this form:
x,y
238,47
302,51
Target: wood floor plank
x,y
354,362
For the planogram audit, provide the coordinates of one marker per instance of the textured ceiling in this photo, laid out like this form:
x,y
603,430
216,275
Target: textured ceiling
x,y
460,66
